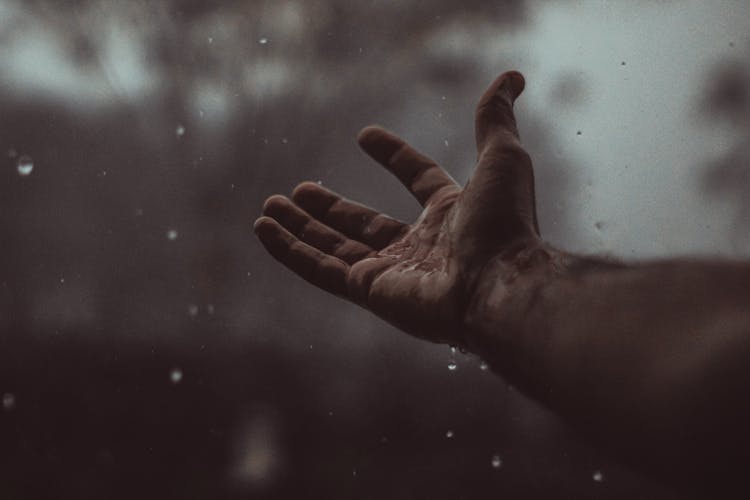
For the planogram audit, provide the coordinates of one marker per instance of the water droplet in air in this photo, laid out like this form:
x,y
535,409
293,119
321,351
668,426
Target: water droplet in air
x,y
496,462
172,234
599,225
284,140
263,41
175,375
210,309
25,165
210,39
193,310
12,153
622,63
453,349
597,476
319,182
62,281
180,130
579,132
443,98
483,367
449,434
452,366
445,142
9,401
138,212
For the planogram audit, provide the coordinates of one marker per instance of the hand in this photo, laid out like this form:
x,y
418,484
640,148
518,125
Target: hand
x,y
421,276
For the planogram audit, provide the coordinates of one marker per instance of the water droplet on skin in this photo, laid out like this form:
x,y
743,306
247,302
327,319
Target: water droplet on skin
x,y
483,367
452,366
496,461
449,434
172,234
263,41
597,476
175,375
193,310
25,165
9,401
180,130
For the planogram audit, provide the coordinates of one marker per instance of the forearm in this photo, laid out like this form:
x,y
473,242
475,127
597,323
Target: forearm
x,y
651,357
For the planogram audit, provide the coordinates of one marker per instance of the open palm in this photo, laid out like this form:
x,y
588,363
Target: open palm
x,y
417,276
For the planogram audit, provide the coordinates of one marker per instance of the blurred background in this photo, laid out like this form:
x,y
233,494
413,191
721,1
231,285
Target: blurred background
x,y
149,348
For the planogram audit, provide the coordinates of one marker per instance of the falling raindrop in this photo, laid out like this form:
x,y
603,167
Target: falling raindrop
x,y
9,401
449,434
193,310
579,133
284,140
172,234
180,130
12,153
599,225
453,349
496,461
622,63
597,476
483,366
210,39
210,309
445,142
25,165
175,375
263,41
452,366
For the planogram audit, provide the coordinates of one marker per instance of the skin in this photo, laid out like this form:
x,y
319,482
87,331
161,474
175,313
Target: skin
x,y
648,361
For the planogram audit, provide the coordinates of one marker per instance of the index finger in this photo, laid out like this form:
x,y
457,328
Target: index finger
x,y
421,175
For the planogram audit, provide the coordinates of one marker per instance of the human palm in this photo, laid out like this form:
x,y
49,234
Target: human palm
x,y
417,276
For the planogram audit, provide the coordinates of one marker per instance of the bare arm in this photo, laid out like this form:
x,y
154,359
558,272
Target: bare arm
x,y
648,360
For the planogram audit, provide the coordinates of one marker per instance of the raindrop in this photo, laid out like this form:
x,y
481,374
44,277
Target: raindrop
x,y
597,476
578,133
599,225
138,212
9,401
193,310
622,63
263,41
180,130
483,366
443,98
284,140
62,281
25,165
453,349
449,434
12,153
175,375
319,182
496,461
210,309
731,44
172,234
210,39
452,366
445,142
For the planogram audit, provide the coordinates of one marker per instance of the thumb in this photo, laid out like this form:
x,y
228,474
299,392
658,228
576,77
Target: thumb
x,y
494,116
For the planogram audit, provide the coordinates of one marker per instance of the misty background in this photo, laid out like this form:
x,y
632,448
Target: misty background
x,y
148,345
